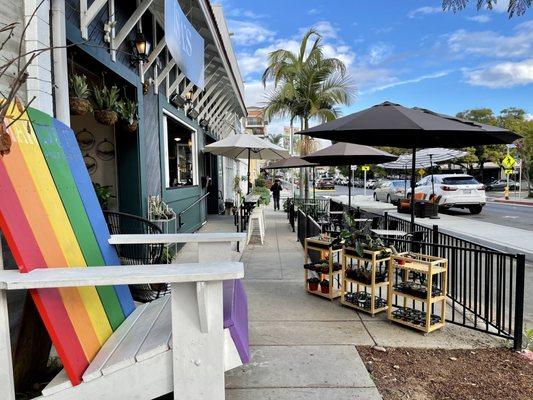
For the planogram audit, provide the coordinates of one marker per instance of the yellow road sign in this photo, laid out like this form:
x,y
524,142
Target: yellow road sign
x,y
365,168
508,161
509,172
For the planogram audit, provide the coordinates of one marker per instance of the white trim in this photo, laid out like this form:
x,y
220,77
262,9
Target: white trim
x,y
194,149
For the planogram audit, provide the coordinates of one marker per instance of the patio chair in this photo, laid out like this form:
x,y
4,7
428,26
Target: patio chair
x,y
110,348
138,254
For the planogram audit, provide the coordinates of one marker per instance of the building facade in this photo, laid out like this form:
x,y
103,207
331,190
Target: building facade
x,y
186,89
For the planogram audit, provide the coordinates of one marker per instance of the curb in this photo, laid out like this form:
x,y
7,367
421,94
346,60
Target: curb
x,y
516,202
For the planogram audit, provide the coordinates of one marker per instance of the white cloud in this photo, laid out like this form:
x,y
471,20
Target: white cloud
x,y
529,117
314,11
482,19
239,12
254,93
424,11
246,33
502,75
434,75
493,44
378,53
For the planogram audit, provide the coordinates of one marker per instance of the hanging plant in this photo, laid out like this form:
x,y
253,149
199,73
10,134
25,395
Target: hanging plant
x,y
105,103
128,112
79,95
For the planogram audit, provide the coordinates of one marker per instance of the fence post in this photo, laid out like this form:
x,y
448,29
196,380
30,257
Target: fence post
x,y
435,241
385,220
519,301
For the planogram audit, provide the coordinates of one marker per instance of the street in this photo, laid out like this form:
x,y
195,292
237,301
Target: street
x,y
516,216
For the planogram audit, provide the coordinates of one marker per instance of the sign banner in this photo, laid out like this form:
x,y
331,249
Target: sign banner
x,y
185,43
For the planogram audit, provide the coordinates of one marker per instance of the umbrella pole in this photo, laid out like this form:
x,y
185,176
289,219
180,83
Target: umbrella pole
x,y
432,179
314,179
249,183
413,177
349,188
405,180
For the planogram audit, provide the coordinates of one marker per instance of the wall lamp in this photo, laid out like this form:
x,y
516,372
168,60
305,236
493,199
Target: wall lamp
x,y
142,47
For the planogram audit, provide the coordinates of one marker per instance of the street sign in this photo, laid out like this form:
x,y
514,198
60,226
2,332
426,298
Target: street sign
x,y
508,162
353,167
509,171
365,168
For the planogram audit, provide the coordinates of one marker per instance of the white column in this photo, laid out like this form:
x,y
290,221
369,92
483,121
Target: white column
x,y
60,62
39,84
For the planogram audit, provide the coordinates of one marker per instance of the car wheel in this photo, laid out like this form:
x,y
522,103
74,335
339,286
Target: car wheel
x,y
475,209
388,199
375,197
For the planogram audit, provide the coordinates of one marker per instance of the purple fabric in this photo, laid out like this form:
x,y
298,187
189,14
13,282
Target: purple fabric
x,y
236,316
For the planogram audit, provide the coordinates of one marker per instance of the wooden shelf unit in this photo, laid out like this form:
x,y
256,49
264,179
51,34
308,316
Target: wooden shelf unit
x,y
375,288
318,244
430,266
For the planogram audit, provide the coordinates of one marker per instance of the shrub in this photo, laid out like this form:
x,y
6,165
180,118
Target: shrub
x,y
264,193
260,181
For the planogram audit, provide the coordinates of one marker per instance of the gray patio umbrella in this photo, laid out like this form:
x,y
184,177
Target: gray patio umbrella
x,y
349,154
425,159
293,162
247,146
390,124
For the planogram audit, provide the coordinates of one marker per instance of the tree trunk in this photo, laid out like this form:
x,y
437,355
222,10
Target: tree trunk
x,y
306,138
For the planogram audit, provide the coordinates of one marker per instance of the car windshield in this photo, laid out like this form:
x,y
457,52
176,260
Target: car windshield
x,y
459,180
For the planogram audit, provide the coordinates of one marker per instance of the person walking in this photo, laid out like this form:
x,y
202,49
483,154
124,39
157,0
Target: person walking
x,y
276,190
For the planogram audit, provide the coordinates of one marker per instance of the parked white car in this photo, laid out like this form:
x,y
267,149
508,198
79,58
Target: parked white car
x,y
390,191
456,190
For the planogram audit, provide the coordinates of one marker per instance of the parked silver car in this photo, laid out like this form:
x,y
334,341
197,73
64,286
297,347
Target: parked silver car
x,y
391,191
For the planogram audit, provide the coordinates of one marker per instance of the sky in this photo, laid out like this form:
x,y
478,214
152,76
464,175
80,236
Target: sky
x,y
408,52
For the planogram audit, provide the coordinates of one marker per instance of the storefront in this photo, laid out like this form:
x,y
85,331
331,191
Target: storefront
x,y
183,101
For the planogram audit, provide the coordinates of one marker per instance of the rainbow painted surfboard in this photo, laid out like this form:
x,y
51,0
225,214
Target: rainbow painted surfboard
x,y
51,217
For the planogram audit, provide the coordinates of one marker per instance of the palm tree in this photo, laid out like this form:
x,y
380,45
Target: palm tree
x,y
306,85
277,139
517,7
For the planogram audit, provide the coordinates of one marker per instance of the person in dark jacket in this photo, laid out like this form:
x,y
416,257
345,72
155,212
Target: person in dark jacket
x,y
276,190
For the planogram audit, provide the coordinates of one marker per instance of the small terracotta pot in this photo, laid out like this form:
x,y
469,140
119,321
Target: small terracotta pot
x,y
79,106
313,286
106,117
324,289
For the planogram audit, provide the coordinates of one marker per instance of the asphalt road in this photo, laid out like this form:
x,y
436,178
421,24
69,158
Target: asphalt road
x,y
517,216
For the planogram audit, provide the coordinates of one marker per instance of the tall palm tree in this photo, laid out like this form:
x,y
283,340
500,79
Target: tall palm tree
x,y
276,138
517,7
306,85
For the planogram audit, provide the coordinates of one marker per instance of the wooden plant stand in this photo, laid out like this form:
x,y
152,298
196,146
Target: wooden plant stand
x,y
430,266
374,288
318,244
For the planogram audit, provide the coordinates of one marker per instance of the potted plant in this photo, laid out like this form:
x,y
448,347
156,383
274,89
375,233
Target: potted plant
x,y
324,286
105,102
158,209
79,95
128,112
103,193
313,283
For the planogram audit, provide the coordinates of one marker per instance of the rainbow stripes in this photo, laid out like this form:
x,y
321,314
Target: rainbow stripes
x,y
50,216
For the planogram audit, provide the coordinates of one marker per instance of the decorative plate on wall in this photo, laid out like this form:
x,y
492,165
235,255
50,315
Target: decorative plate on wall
x,y
105,150
90,164
85,139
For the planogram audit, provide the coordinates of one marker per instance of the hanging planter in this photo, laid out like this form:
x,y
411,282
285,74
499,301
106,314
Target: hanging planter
x,y
105,102
127,111
79,95
5,140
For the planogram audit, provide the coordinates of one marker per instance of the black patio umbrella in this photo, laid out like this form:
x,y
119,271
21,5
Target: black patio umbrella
x,y
390,124
349,154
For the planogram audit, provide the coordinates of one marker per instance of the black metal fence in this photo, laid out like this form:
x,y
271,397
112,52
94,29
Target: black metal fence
x,y
485,286
307,227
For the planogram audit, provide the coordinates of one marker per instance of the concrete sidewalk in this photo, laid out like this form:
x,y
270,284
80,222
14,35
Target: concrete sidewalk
x,y
304,346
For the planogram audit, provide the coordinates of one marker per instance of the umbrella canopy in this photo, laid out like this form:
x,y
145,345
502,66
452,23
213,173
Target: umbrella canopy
x,y
291,162
390,124
425,158
349,154
247,146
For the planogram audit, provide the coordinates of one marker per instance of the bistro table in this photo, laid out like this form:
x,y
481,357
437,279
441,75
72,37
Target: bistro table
x,y
388,232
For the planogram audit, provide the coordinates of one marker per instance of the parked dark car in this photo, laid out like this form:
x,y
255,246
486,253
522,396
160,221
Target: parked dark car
x,y
499,185
325,183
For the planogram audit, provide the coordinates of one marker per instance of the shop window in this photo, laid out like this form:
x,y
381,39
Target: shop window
x,y
180,155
